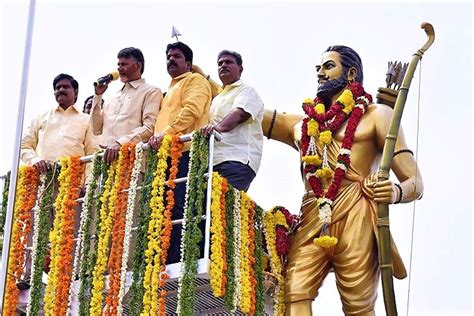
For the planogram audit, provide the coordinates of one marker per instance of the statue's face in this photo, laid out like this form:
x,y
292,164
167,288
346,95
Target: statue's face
x,y
331,77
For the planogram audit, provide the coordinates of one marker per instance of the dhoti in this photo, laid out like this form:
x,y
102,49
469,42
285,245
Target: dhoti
x,y
354,258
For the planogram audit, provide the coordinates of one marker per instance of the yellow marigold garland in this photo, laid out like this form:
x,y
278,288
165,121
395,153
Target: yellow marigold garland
x,y
153,253
244,254
25,198
106,211
54,238
216,267
175,153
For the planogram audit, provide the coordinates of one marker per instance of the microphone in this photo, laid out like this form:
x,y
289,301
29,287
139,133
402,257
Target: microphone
x,y
114,75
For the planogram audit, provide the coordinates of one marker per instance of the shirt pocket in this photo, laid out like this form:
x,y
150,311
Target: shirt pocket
x,y
74,133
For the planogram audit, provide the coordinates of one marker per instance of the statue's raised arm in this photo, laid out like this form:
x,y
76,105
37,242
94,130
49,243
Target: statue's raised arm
x,y
282,127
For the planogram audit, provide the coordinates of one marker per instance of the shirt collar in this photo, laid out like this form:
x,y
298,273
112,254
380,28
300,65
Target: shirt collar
x,y
184,75
234,84
136,83
70,108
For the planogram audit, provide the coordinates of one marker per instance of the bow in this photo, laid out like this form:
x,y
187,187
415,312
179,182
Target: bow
x,y
384,243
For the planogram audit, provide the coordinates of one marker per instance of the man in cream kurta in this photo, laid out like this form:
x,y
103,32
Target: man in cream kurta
x,y
237,113
130,114
184,109
63,131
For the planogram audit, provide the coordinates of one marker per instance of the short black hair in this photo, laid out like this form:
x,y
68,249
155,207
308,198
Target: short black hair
x,y
74,83
60,77
135,53
349,58
185,49
237,56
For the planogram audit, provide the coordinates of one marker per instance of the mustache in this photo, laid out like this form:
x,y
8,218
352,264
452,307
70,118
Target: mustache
x,y
61,93
172,63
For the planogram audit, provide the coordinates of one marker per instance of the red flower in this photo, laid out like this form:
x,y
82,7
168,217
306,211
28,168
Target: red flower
x,y
282,243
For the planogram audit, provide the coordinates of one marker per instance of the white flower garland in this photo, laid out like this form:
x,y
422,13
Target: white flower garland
x,y
236,231
183,230
85,214
34,248
128,222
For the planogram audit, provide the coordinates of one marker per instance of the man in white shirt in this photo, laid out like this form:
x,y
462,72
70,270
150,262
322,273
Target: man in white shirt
x,y
237,114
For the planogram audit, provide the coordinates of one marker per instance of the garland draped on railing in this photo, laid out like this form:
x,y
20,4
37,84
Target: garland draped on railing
x,y
62,237
237,244
25,198
191,234
42,211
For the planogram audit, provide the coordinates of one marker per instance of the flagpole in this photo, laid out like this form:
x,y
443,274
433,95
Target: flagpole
x,y
16,152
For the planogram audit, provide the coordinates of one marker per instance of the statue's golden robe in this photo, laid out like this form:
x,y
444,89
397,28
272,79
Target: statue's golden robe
x,y
354,259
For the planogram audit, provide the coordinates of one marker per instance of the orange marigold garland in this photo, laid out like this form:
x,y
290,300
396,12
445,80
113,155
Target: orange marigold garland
x,y
115,258
253,281
25,198
175,152
62,237
67,237
224,190
54,238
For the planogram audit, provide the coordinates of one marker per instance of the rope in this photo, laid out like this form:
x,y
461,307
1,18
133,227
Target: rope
x,y
414,202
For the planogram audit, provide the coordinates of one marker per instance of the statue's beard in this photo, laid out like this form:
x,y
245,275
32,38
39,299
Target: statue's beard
x,y
328,89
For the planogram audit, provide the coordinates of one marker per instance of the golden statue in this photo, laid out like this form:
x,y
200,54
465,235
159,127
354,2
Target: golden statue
x,y
340,140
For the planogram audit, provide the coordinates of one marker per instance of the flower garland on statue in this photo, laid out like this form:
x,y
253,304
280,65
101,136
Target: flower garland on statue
x,y
176,153
129,221
317,128
90,255
218,257
83,238
108,199
153,252
269,223
141,241
25,198
191,234
116,251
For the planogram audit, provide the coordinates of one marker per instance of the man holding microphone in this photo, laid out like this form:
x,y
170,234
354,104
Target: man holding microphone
x,y
130,114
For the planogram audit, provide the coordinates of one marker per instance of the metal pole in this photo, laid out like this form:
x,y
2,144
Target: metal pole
x,y
16,152
207,232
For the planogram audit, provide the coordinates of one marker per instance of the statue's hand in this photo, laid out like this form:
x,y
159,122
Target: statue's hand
x,y
385,192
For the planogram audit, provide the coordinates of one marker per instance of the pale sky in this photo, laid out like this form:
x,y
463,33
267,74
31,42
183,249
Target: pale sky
x,y
280,44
